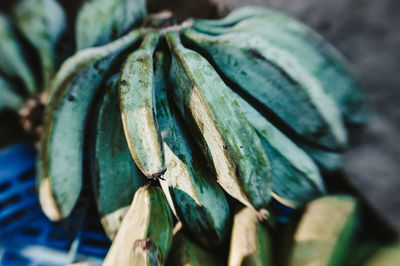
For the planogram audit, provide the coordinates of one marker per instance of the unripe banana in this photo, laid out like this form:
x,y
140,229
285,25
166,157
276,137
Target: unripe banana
x,y
328,161
295,98
137,103
185,252
115,175
312,51
9,98
145,253
61,145
296,179
325,232
189,184
364,250
385,256
244,19
234,17
101,21
42,22
148,217
13,63
250,241
221,129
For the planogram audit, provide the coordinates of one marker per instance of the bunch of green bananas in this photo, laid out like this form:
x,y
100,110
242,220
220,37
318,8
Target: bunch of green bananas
x,y
35,40
28,49
251,106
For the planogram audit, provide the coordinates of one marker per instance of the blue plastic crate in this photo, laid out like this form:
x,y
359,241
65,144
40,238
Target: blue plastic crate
x,y
27,237
18,199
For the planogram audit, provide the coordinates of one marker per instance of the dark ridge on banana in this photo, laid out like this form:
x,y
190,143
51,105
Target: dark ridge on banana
x,y
190,186
115,176
293,95
137,104
209,108
72,92
148,217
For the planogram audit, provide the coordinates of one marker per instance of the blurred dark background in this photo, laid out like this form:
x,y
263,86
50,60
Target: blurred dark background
x,y
367,32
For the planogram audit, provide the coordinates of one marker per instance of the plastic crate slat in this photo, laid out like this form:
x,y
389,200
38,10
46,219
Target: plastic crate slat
x,y
19,174
16,154
9,174
15,170
9,228
21,189
44,237
28,204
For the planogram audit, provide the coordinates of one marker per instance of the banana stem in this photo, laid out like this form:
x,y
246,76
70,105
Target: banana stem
x,y
173,40
150,40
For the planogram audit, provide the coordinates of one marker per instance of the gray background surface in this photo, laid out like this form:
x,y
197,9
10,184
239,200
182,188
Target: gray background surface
x,y
367,32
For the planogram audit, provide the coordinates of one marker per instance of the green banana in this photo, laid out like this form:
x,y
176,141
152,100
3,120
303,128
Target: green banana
x,y
148,217
101,21
250,240
234,17
61,145
325,232
294,96
190,186
315,54
42,22
385,256
364,250
9,98
185,252
296,179
136,95
327,161
115,177
245,17
221,129
13,63
145,253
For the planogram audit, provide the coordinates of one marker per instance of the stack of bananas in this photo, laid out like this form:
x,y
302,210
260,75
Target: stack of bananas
x,y
208,121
